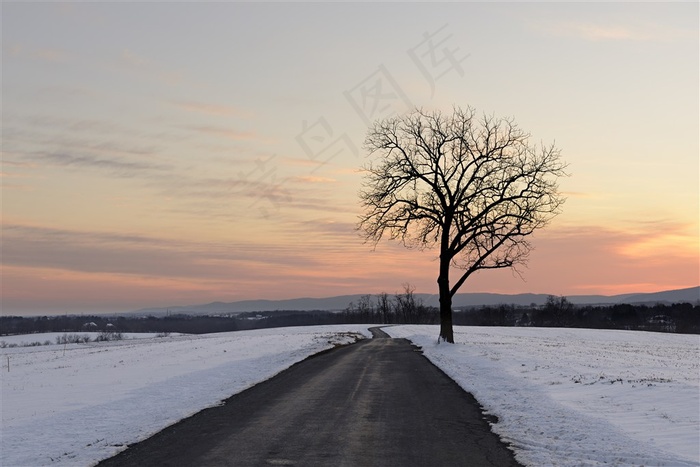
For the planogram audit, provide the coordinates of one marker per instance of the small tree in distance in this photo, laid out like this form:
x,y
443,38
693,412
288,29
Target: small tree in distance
x,y
475,187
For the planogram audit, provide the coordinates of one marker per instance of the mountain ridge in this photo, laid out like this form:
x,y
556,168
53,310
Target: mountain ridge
x,y
463,300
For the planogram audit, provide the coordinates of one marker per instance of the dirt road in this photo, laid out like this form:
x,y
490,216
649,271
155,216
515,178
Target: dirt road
x,y
375,403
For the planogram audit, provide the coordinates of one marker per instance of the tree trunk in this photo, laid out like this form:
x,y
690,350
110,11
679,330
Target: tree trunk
x,y
446,320
445,301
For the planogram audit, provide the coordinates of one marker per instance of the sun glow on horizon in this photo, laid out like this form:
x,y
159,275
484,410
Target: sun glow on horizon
x,y
145,169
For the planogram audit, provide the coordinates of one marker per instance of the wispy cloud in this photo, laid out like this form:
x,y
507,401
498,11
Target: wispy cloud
x,y
211,109
36,246
68,93
39,140
596,32
300,162
59,123
8,162
94,133
115,166
661,239
335,232
46,54
613,259
134,62
579,194
5,174
613,31
54,291
224,132
48,267
314,179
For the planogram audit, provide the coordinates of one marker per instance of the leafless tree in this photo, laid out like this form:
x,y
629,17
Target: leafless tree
x,y
384,307
473,186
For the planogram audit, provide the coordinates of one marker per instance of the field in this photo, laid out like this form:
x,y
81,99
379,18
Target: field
x,y
579,396
562,396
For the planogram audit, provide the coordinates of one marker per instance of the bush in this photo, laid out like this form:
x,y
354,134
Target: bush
x,y
105,336
73,339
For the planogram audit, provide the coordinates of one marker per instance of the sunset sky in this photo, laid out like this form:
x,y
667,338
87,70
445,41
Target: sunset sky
x,y
158,154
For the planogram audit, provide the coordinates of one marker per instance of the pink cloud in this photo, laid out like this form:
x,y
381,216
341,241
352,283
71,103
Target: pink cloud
x,y
317,259
596,260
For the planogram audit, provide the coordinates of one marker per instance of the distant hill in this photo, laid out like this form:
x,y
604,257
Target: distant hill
x,y
690,295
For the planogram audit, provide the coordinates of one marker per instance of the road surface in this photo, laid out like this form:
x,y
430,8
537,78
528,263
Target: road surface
x,y
378,402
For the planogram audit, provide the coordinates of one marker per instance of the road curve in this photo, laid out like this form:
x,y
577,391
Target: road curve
x,y
379,402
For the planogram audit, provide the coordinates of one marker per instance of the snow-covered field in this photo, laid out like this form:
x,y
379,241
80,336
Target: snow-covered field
x,y
570,397
76,406
562,396
50,338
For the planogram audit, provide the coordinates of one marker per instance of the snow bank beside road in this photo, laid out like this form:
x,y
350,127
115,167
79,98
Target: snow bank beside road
x,y
571,397
564,397
84,404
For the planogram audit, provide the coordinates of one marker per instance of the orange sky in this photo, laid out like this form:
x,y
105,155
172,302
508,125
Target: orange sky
x,y
170,154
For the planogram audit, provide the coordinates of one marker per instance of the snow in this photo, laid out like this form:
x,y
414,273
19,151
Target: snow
x,y
562,396
77,406
25,340
571,397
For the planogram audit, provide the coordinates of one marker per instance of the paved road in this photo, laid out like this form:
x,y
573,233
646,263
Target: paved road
x,y
375,403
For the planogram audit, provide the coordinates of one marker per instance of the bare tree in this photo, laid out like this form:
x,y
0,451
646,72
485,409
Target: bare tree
x,y
406,305
384,307
557,310
474,186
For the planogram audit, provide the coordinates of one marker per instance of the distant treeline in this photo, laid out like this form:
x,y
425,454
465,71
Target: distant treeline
x,y
557,312
681,318
402,308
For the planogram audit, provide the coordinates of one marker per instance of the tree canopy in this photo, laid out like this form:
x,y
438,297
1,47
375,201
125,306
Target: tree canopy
x,y
474,186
